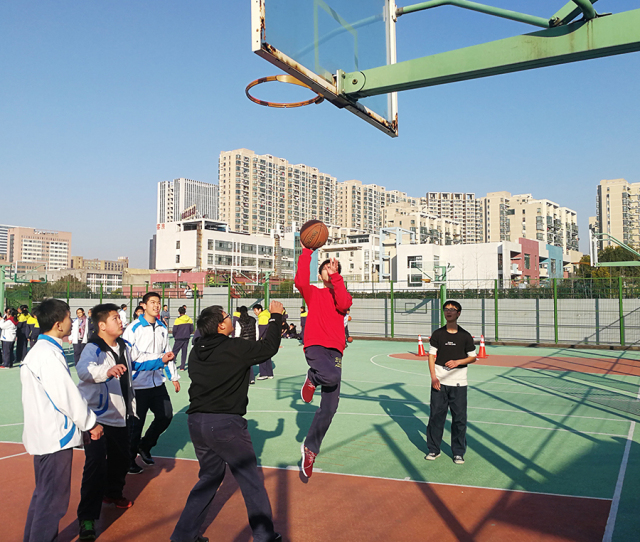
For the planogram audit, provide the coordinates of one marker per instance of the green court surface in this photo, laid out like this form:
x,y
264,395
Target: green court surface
x,y
543,430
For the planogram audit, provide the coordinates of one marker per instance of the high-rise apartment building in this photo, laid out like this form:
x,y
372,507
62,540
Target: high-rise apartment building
x,y
4,238
461,207
78,262
183,199
428,227
511,217
258,192
34,246
360,205
618,212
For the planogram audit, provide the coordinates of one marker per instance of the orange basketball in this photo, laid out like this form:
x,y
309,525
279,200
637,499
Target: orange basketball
x,y
350,340
313,234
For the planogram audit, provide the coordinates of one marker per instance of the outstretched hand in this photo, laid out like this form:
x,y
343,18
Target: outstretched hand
x,y
332,266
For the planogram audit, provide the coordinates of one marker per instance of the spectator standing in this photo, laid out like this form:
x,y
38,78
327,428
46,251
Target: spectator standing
x,y
79,334
182,331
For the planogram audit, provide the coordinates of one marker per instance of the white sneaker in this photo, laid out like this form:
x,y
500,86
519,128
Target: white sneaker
x,y
431,456
458,460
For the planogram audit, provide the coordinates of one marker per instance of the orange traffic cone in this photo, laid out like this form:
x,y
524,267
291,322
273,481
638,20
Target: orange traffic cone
x,y
421,351
483,352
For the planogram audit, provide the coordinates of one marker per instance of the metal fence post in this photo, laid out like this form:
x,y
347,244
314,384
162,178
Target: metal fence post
x,y
130,295
495,308
195,302
443,298
163,294
229,296
621,311
555,309
266,293
101,293
68,291
597,320
392,308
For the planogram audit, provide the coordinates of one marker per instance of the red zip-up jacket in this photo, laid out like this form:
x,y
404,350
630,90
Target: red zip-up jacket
x,y
327,307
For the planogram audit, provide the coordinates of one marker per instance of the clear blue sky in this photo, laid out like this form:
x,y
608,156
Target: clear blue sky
x,y
100,100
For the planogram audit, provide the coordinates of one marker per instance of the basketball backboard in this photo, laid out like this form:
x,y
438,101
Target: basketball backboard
x,y
24,272
318,41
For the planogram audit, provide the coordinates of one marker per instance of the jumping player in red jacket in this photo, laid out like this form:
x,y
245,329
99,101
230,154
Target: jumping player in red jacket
x,y
323,347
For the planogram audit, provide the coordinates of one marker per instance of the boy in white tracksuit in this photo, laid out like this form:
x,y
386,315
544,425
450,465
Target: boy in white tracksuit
x,y
105,369
149,339
79,334
55,414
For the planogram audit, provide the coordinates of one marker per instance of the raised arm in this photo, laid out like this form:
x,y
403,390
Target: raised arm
x,y
303,274
342,298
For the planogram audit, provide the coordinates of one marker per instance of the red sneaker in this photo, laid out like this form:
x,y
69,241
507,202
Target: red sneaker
x,y
308,459
120,502
307,390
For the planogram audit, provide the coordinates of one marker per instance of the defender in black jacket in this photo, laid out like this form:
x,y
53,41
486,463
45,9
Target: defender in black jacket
x,y
219,371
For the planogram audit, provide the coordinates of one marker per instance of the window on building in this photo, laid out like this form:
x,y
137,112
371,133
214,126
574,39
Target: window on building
x,y
177,258
177,244
527,261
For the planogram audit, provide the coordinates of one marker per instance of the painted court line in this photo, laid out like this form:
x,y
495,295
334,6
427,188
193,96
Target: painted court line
x,y
14,455
11,424
613,513
575,431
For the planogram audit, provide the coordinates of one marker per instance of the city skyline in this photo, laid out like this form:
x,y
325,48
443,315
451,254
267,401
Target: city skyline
x,y
102,106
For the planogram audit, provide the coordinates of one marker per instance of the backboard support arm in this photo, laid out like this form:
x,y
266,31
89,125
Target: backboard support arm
x,y
582,40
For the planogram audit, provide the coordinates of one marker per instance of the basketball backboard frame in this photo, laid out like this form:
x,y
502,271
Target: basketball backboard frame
x,y
330,90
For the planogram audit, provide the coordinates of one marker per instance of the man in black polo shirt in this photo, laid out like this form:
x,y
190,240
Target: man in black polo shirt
x,y
219,367
452,349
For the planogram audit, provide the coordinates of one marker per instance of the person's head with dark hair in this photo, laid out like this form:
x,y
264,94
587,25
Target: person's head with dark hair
x,y
214,320
245,317
138,312
54,318
151,305
182,311
257,309
24,310
123,306
451,311
80,313
107,322
328,268
13,313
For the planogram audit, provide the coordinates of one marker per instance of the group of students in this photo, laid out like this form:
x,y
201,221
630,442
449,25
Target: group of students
x,y
122,376
18,329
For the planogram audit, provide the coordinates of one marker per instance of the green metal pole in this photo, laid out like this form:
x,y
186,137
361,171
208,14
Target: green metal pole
x,y
195,302
147,287
100,293
266,293
621,311
2,283
474,6
130,295
392,309
229,296
555,309
31,296
68,291
495,308
443,298
163,294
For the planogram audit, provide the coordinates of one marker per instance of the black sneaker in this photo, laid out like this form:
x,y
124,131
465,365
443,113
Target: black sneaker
x,y
431,456
146,457
458,460
135,469
87,530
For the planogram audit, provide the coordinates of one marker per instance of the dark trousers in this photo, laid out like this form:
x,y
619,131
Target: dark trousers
x,y
266,367
105,468
50,498
181,345
157,401
220,440
452,398
7,353
325,369
77,351
21,348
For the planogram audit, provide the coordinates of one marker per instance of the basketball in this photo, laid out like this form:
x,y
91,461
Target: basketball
x,y
350,340
313,234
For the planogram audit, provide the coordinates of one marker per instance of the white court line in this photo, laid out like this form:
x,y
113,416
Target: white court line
x,y
11,424
293,467
14,455
615,504
574,431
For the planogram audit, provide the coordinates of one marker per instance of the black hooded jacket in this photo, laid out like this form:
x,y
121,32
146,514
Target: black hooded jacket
x,y
219,369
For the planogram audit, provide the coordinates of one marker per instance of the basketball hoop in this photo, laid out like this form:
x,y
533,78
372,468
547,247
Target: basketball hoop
x,y
281,79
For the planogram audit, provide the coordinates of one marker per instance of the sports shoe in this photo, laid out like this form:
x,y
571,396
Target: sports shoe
x,y
135,469
308,459
146,457
307,391
252,381
432,456
458,460
87,530
270,377
120,502
262,377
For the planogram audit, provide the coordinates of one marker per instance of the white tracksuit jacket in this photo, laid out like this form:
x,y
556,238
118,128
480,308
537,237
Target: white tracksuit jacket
x,y
103,393
149,343
55,412
75,332
8,330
